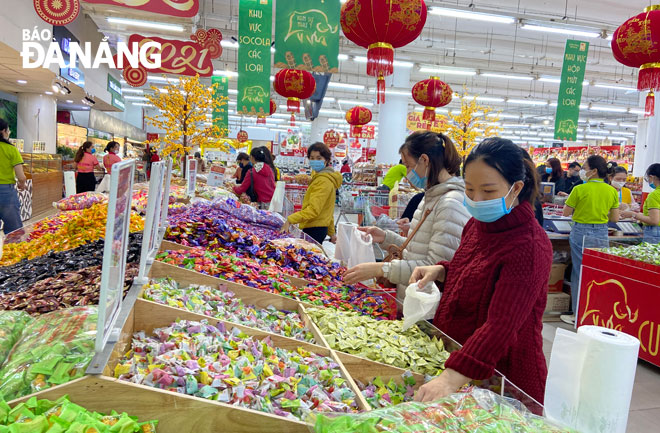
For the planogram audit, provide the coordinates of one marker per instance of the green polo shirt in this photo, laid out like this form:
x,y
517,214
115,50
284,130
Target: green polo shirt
x,y
9,158
394,175
652,201
592,202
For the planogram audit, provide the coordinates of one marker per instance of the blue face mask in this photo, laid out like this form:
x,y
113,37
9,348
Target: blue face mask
x,y
548,170
416,180
93,151
488,211
316,165
652,185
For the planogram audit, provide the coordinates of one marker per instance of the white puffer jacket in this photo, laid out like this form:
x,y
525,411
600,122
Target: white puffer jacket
x,y
437,239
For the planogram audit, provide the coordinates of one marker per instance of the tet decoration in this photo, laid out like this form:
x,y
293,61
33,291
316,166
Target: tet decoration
x,y
59,12
381,26
242,136
190,58
357,117
331,138
636,43
261,120
176,8
294,85
432,93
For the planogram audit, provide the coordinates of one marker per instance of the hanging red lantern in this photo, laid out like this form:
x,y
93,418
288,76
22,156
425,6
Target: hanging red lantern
x,y
636,43
261,120
294,85
242,136
358,116
432,93
381,26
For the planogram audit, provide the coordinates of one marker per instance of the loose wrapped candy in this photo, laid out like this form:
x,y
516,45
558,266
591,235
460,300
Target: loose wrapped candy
x,y
644,252
81,201
12,324
381,340
53,349
380,394
224,305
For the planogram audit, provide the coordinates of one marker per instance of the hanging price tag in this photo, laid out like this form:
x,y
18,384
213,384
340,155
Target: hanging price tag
x,y
192,177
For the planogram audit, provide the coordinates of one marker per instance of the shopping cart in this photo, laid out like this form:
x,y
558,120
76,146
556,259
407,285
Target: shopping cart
x,y
295,194
376,203
349,204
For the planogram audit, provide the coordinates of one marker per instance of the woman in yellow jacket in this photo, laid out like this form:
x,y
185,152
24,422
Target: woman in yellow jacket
x,y
316,218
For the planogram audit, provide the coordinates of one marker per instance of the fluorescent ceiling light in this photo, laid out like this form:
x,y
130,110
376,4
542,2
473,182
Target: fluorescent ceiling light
x,y
342,57
489,99
163,79
546,134
628,125
48,92
447,71
526,102
328,99
610,109
504,116
141,104
556,80
610,124
228,44
350,102
515,125
393,92
331,112
594,137
470,15
135,98
21,81
507,76
636,111
131,90
403,64
599,131
233,92
231,103
334,85
230,74
627,134
561,30
145,24
614,87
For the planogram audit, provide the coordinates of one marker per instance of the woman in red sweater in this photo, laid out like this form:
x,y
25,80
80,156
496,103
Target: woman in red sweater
x,y
262,175
495,287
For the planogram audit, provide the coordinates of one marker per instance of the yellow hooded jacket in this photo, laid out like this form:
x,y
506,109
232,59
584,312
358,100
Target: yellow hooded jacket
x,y
318,207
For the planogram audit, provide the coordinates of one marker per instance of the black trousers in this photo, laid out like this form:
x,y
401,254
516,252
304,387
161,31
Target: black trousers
x,y
85,182
317,233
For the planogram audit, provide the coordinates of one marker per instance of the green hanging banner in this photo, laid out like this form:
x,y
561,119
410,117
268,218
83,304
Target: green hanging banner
x,y
221,93
307,35
255,34
570,90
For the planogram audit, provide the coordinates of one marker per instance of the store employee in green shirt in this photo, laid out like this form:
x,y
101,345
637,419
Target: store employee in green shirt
x,y
592,205
11,168
394,175
650,216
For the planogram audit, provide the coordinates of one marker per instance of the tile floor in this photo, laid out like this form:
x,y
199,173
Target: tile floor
x,y
645,405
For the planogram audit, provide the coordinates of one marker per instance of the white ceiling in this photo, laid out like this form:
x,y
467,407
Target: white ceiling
x,y
483,47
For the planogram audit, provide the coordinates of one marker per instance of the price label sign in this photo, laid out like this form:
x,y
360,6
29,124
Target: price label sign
x,y
152,223
115,249
216,176
165,204
192,177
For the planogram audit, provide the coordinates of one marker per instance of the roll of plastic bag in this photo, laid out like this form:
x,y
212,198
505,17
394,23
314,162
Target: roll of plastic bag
x,y
343,247
420,303
590,379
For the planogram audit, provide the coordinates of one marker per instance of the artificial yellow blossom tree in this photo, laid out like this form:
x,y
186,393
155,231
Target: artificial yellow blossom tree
x,y
471,125
184,109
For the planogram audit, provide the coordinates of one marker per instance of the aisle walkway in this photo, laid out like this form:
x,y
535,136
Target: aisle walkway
x,y
645,406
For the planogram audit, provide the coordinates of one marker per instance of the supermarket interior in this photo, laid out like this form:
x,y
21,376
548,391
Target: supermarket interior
x,y
329,216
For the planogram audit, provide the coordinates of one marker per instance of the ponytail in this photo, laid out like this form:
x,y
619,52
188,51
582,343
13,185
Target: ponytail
x,y
599,163
81,151
262,154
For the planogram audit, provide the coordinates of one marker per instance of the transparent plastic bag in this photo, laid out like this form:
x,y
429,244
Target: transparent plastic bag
x,y
477,410
362,250
81,201
12,324
54,349
420,303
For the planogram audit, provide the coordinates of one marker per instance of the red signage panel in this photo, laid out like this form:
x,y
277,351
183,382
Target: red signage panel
x,y
174,8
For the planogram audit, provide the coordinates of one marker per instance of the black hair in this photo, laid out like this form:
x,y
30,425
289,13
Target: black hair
x,y
620,169
3,125
441,152
511,161
540,170
322,149
242,157
198,155
110,145
81,151
600,164
653,170
557,171
574,164
262,154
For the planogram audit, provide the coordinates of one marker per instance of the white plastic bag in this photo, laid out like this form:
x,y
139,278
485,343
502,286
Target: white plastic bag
x,y
420,304
343,247
277,202
362,250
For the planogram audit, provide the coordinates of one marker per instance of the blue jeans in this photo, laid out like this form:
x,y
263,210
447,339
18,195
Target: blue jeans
x,y
10,208
576,240
652,234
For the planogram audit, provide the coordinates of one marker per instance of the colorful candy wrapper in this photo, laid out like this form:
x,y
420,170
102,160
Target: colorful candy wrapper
x,y
380,394
81,201
12,324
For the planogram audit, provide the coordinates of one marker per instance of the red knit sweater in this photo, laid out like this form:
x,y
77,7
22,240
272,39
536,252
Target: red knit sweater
x,y
494,297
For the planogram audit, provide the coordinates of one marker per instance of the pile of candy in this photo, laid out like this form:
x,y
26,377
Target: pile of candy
x,y
476,411
11,328
89,226
53,349
270,279
51,224
27,273
212,362
62,416
139,201
644,252
378,394
81,201
212,192
381,340
68,289
224,305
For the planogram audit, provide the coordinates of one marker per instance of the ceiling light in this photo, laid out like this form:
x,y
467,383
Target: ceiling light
x,y
48,92
131,90
594,137
636,111
232,103
393,92
21,81
556,80
350,102
561,30
135,98
331,112
141,104
228,44
489,99
163,79
145,24
233,92
614,87
334,85
628,125
627,134
526,102
336,120
57,87
342,57
328,99
70,101
470,15
507,76
229,74
504,116
610,109
447,71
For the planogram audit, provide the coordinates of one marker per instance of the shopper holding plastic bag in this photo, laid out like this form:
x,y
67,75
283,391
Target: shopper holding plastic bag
x,y
495,287
435,232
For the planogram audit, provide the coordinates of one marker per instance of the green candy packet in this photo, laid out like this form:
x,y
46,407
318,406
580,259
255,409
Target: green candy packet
x,y
12,324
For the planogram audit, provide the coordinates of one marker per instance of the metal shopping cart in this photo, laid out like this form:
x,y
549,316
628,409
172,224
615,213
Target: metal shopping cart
x,y
349,204
376,203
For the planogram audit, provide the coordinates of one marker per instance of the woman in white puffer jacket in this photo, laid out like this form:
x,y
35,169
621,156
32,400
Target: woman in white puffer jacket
x,y
433,164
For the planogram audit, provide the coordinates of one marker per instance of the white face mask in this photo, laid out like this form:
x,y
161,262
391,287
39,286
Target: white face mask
x,y
583,175
618,185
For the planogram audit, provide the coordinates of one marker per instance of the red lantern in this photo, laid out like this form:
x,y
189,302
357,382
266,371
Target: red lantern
x,y
636,43
381,26
358,116
242,136
294,85
261,120
432,93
